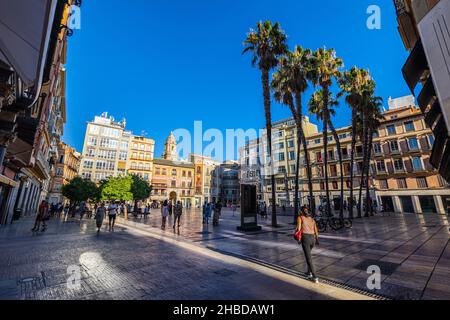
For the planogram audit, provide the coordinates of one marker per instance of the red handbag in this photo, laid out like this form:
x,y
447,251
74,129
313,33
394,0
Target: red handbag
x,y
298,234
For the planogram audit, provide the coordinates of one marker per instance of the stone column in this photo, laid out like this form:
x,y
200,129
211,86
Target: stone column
x,y
397,204
416,204
439,205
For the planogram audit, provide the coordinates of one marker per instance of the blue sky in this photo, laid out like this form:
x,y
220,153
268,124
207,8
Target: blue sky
x,y
165,64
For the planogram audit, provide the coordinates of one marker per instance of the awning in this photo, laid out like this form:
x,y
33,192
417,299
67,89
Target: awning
x,y
415,66
25,28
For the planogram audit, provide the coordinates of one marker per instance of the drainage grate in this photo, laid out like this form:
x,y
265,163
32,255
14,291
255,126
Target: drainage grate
x,y
224,272
29,286
387,268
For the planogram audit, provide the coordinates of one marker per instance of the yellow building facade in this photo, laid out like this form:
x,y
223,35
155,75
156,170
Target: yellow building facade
x,y
140,157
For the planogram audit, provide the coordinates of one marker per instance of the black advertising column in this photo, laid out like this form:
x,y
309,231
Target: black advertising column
x,y
249,221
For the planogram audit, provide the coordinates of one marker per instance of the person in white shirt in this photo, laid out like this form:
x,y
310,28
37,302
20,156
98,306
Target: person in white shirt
x,y
112,214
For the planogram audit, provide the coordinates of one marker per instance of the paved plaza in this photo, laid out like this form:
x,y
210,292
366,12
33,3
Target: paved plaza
x,y
412,251
141,261
131,264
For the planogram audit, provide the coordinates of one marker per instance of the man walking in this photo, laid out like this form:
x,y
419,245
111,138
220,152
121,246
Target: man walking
x,y
178,211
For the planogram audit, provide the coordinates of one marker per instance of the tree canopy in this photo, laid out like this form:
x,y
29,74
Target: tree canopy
x,y
79,190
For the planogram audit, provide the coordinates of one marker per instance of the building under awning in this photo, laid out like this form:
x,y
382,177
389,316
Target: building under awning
x,y
25,29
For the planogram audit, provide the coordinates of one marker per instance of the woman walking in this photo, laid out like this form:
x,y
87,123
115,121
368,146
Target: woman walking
x,y
42,216
100,216
310,236
164,213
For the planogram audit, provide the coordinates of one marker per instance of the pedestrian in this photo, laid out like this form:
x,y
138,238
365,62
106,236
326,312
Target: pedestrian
x,y
208,208
42,216
204,212
233,208
177,214
112,215
310,237
170,207
100,216
60,210
164,213
146,210
217,213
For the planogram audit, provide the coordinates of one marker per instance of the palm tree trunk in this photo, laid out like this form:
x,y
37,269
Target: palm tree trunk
x,y
352,159
325,146
267,111
311,200
341,167
365,155
312,204
297,174
369,156
325,162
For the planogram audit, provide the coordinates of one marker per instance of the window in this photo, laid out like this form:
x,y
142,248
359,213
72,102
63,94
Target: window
x,y
157,171
291,155
330,138
422,182
381,166
398,165
417,163
173,183
292,167
123,155
281,156
413,144
394,145
335,185
61,159
174,172
401,183
377,148
431,139
281,169
319,156
384,184
342,136
409,126
281,145
92,141
391,130
376,134
317,141
94,129
290,143
88,164
331,154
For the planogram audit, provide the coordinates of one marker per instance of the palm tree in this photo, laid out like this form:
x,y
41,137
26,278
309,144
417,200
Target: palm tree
x,y
267,44
322,106
374,115
325,68
289,83
352,85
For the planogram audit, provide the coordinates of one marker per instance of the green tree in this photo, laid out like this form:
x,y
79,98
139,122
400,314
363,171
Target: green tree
x,y
325,69
117,188
289,83
140,189
79,190
267,44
